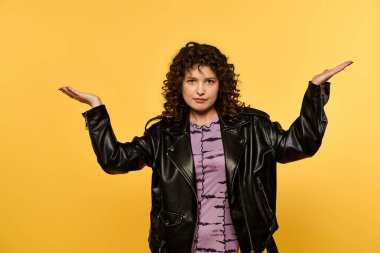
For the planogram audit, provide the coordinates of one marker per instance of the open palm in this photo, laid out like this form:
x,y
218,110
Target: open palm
x,y
328,73
82,97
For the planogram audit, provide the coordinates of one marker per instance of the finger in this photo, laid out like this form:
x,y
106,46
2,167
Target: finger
x,y
61,88
340,67
69,93
74,91
344,64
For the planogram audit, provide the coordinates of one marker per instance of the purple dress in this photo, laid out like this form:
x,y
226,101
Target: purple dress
x,y
215,231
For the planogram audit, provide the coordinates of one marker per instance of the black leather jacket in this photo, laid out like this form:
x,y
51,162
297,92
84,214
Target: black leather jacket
x,y
252,146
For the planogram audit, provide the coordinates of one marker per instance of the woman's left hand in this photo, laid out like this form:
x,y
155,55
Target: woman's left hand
x,y
328,73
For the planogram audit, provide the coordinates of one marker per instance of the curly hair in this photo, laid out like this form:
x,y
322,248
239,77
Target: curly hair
x,y
195,54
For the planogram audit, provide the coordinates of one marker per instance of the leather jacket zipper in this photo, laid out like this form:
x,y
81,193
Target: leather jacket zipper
x,y
162,243
245,218
196,204
266,208
261,187
196,224
259,202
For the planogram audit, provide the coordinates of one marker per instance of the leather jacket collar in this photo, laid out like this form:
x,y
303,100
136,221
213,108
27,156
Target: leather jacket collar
x,y
183,126
181,154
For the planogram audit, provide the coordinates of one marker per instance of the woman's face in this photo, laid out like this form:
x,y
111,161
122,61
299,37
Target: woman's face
x,y
200,89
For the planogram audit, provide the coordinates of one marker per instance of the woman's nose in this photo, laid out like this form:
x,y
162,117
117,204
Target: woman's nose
x,y
200,89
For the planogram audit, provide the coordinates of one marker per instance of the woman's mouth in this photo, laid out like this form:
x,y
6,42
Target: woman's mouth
x,y
199,100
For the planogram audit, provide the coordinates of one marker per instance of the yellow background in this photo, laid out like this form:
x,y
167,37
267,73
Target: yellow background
x,y
54,197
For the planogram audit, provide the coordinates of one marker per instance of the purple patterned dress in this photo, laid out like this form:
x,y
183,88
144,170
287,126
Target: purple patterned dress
x,y
215,231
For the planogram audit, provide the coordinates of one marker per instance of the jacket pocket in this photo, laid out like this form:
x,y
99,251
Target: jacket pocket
x,y
264,203
170,219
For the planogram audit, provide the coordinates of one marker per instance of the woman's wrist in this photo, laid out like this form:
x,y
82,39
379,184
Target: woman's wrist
x,y
96,102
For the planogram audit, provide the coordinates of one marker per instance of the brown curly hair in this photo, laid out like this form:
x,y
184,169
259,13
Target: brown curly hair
x,y
195,54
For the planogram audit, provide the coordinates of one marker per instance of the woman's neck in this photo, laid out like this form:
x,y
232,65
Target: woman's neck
x,y
203,118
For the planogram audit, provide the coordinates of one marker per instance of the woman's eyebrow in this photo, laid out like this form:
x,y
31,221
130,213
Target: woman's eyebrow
x,y
211,77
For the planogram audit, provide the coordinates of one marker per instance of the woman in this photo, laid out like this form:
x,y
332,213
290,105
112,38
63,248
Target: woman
x,y
213,158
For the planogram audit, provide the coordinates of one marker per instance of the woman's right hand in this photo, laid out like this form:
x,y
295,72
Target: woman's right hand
x,y
83,97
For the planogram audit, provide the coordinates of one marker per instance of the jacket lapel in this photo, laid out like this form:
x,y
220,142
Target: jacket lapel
x,y
181,155
180,151
233,144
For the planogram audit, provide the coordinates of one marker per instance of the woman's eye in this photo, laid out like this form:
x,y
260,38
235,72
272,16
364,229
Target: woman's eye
x,y
210,81
190,81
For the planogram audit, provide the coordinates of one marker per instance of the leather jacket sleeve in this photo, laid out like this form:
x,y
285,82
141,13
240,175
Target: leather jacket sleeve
x,y
304,136
113,156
